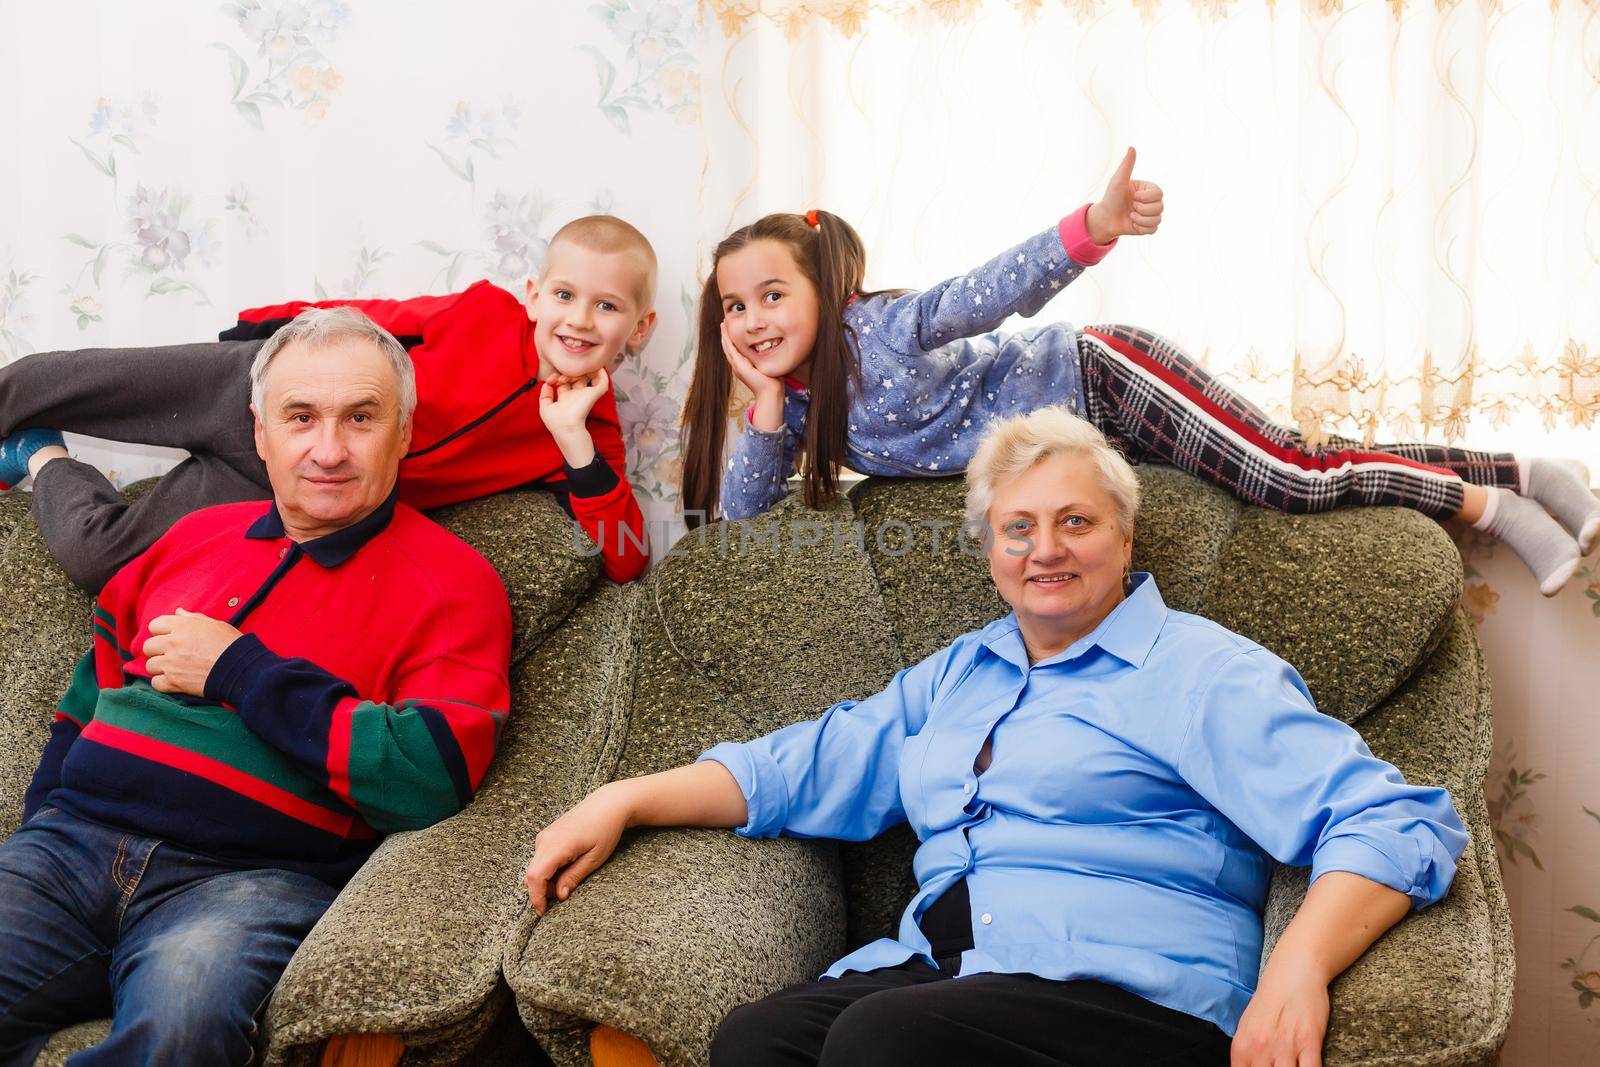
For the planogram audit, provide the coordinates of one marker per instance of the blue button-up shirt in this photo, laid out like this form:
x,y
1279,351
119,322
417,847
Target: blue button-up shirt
x,y
1141,782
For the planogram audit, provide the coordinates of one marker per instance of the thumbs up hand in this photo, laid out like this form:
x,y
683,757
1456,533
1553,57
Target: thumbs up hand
x,y
1129,206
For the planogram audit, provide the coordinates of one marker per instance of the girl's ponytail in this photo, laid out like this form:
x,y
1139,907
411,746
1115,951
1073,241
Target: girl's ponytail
x,y
830,253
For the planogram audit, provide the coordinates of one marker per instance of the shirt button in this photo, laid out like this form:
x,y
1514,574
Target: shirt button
x,y
233,602
986,918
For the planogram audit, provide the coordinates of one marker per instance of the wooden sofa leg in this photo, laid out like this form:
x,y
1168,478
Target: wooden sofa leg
x,y
609,1047
362,1050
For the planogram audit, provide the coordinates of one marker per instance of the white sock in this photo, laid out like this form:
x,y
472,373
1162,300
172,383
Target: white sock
x,y
1537,539
1491,507
1561,486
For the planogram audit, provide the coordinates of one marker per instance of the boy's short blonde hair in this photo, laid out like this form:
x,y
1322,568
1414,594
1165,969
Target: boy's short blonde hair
x,y
609,234
1012,446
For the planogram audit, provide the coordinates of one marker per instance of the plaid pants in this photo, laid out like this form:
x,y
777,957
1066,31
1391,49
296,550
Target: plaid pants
x,y
1155,402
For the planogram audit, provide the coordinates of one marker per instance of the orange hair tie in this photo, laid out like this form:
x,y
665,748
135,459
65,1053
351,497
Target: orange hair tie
x,y
812,221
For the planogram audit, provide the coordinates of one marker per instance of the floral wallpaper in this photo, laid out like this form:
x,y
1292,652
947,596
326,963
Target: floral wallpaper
x,y
1543,791
178,162
268,149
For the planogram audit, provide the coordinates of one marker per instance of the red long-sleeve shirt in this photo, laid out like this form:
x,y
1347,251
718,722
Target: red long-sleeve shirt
x,y
477,429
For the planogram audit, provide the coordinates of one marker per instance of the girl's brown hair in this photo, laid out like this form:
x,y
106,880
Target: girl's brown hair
x,y
833,259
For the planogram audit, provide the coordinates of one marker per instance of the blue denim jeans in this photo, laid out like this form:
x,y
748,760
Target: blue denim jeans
x,y
180,950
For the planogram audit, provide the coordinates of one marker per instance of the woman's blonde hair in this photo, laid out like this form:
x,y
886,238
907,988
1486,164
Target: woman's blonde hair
x,y
1012,446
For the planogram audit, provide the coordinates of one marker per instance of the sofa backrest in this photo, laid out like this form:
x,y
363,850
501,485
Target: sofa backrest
x,y
750,626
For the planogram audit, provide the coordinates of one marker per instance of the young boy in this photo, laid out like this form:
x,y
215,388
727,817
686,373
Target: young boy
x,y
505,396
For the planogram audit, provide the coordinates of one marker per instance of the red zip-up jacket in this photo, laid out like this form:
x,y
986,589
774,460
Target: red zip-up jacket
x,y
477,429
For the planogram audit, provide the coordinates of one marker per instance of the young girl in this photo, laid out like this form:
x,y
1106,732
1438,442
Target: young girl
x,y
902,384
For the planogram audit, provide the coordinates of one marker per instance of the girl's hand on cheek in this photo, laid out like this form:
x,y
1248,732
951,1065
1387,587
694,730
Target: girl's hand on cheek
x,y
759,384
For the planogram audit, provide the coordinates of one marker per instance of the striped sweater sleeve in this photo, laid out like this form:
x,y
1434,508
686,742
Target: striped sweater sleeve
x,y
72,715
404,763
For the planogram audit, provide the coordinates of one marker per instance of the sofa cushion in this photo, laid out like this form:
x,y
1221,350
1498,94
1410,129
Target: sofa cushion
x,y
1355,599
749,626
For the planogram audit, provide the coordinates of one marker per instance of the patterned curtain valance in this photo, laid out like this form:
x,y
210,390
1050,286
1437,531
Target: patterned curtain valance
x,y
850,17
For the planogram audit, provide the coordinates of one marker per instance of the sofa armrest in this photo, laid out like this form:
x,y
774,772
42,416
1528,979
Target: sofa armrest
x,y
1435,988
412,947
676,930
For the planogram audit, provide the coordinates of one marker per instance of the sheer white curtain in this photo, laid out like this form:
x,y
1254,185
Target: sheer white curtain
x,y
1383,218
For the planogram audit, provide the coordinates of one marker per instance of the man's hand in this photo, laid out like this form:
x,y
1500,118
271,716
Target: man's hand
x,y
183,648
1129,207
1284,1023
565,402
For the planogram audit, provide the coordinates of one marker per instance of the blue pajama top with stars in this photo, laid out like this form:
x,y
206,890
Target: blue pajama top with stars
x,y
934,373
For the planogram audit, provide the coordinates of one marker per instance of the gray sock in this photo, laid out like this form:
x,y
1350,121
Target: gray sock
x,y
1537,539
1561,486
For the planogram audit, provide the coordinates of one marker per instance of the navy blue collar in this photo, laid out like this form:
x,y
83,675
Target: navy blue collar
x,y
334,548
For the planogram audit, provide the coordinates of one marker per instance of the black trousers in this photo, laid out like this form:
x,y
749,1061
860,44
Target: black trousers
x,y
920,1016
195,397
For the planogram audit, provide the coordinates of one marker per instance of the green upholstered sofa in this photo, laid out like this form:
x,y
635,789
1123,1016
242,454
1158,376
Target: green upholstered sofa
x,y
751,626
755,625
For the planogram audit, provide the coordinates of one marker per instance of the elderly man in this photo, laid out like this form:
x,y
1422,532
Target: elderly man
x,y
271,688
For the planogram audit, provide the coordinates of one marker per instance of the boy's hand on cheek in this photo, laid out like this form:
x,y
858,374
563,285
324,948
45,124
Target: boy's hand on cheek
x,y
565,402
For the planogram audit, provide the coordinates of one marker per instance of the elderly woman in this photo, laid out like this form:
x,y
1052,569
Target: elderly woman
x,y
1099,785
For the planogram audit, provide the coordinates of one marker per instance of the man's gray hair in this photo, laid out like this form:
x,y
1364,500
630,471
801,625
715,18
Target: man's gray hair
x,y
322,326
1012,446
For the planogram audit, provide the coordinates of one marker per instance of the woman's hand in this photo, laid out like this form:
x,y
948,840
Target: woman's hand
x,y
1128,208
1284,1023
571,848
